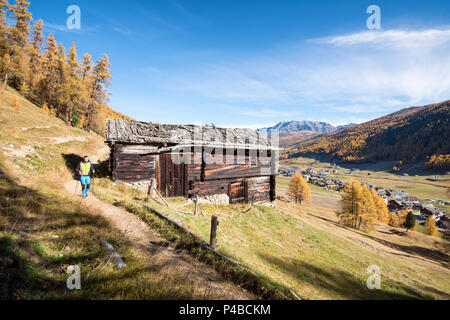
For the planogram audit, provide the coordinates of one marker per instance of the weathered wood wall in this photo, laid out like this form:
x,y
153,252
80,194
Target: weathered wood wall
x,y
208,179
133,164
132,167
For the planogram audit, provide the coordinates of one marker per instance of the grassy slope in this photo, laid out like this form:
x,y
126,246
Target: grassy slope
x,y
311,257
43,231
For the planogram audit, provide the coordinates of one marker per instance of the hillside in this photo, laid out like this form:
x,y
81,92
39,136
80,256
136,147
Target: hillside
x,y
288,139
412,134
45,227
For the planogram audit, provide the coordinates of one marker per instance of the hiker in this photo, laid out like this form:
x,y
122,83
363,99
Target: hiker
x,y
85,169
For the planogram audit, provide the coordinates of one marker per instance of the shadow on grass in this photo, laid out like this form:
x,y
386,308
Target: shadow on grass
x,y
32,223
340,284
73,160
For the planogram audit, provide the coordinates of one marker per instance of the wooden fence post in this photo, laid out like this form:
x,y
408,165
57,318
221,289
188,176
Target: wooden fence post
x,y
214,224
152,187
196,206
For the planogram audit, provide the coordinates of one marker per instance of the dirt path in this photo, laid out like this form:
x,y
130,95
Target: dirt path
x,y
152,246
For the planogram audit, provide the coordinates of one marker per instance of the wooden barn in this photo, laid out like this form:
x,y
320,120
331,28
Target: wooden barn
x,y
238,165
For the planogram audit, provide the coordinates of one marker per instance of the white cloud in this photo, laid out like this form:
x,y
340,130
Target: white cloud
x,y
53,27
336,79
400,39
122,31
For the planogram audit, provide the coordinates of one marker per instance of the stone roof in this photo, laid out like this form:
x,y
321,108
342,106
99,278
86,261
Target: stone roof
x,y
148,133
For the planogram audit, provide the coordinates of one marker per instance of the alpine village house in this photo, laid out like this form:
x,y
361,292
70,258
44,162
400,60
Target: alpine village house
x,y
238,165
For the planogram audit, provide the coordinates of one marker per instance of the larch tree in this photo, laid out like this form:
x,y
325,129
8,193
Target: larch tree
x,y
393,220
87,66
430,227
299,189
62,94
368,217
73,85
381,207
19,36
49,83
351,204
98,88
35,52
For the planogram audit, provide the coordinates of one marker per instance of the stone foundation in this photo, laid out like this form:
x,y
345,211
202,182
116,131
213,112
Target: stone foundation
x,y
140,185
215,199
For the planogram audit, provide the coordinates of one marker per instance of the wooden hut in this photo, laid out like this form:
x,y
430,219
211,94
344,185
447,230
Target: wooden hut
x,y
189,161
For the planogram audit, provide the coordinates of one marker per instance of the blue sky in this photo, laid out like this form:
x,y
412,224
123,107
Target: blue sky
x,y
252,63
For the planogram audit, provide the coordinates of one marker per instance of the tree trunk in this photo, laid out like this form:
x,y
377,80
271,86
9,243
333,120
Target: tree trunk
x,y
5,84
69,114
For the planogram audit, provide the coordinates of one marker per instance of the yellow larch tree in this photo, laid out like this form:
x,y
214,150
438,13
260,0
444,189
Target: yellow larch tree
x,y
299,189
430,227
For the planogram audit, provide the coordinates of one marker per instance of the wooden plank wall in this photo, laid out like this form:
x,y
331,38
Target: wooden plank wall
x,y
201,179
132,167
218,177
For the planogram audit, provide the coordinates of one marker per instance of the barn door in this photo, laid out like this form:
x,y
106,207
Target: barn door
x,y
172,177
238,192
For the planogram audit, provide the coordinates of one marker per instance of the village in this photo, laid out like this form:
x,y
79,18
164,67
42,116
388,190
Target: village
x,y
396,200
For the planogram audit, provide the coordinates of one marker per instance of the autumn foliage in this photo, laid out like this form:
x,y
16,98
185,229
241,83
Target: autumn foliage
x,y
299,189
359,209
414,134
430,227
48,76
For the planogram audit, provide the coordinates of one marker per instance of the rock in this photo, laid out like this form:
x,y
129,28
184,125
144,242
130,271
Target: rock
x,y
215,199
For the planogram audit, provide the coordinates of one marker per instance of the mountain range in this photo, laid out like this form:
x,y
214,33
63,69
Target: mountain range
x,y
296,126
409,135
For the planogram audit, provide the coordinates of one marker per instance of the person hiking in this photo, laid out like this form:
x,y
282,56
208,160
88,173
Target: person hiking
x,y
86,170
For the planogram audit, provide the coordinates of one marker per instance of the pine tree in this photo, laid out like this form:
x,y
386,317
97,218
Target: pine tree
x,y
410,222
351,204
299,189
381,207
430,227
99,95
